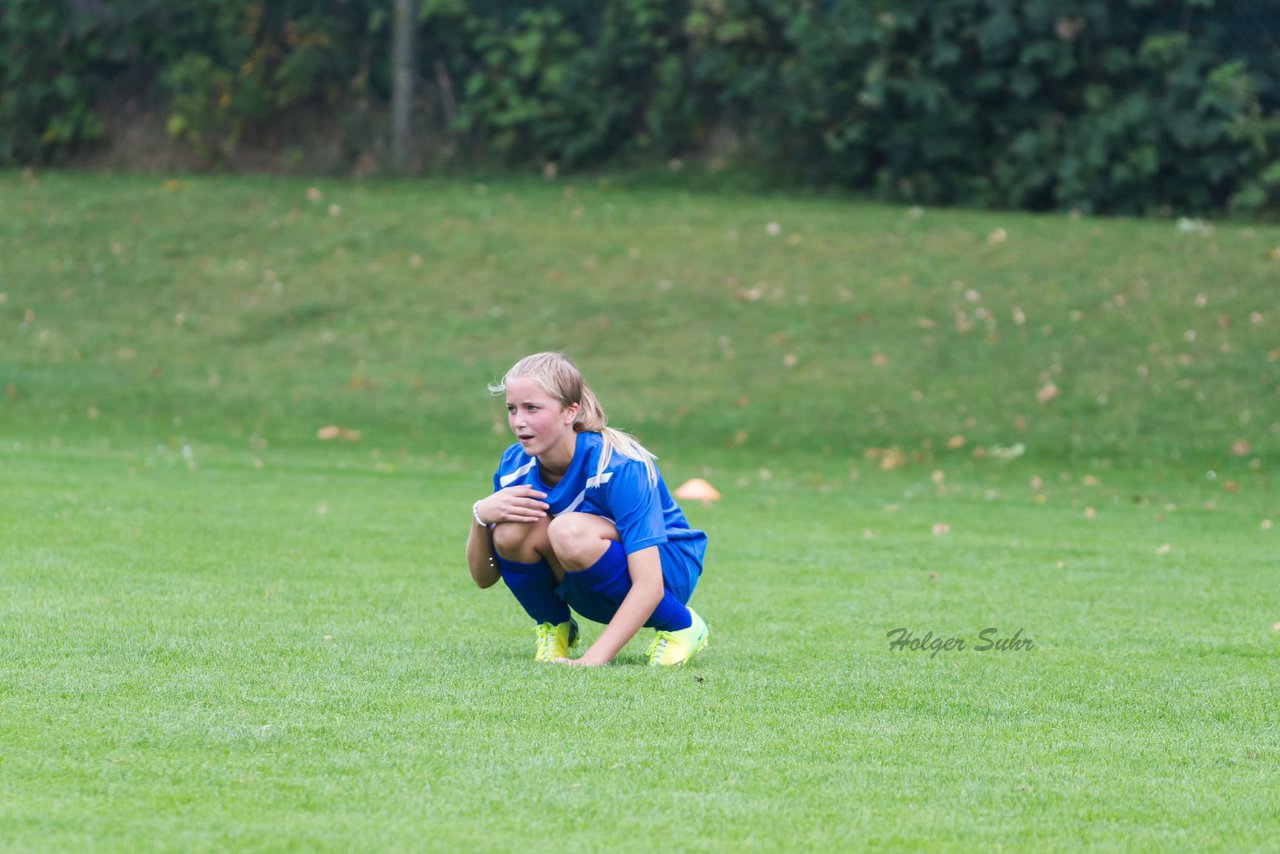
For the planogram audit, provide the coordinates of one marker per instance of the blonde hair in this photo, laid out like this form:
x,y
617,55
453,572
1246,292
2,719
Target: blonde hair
x,y
560,378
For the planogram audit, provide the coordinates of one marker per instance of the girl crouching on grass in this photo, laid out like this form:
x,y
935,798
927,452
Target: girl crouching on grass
x,y
580,519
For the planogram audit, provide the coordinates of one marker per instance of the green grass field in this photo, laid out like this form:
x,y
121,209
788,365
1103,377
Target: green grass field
x,y
220,632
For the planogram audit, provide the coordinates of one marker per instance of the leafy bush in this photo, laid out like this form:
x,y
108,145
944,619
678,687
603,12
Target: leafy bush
x,y
226,67
258,60
46,81
1123,106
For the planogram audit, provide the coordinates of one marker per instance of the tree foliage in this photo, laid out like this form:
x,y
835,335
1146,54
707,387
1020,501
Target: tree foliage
x,y
1101,105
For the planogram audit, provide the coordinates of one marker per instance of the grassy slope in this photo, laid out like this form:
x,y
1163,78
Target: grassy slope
x,y
243,304
221,632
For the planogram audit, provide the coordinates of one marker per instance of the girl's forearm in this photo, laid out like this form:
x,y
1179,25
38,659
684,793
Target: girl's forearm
x,y
636,608
484,572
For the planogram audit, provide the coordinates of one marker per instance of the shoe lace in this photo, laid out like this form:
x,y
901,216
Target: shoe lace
x,y
659,645
546,637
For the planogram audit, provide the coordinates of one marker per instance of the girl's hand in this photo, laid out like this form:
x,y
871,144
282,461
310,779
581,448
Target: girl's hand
x,y
579,662
514,504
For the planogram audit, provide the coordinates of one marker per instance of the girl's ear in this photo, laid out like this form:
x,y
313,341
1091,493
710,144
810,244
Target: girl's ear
x,y
571,413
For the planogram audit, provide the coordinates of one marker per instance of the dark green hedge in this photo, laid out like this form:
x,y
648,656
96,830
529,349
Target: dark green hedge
x,y
1101,105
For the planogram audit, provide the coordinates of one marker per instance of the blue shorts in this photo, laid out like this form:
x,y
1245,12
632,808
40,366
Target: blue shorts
x,y
681,569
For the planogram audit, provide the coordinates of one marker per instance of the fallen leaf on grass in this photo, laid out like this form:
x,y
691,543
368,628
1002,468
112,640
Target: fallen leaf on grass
x,y
332,431
1163,549
1012,452
1047,392
1199,227
941,528
892,458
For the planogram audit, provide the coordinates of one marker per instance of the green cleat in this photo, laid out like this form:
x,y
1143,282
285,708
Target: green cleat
x,y
678,647
554,640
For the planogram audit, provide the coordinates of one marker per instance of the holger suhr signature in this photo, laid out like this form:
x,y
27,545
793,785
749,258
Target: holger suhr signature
x,y
989,640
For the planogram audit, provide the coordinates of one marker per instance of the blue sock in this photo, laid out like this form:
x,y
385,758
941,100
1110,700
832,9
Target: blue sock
x,y
608,577
534,585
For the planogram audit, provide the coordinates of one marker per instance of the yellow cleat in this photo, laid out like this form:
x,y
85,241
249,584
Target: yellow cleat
x,y
554,641
678,647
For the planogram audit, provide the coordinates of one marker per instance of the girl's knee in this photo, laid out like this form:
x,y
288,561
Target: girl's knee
x,y
519,541
577,537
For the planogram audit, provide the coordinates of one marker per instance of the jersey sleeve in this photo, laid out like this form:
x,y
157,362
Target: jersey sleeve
x,y
636,507
505,464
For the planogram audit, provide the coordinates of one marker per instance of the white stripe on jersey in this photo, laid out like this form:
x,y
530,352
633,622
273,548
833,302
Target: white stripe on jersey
x,y
593,481
507,479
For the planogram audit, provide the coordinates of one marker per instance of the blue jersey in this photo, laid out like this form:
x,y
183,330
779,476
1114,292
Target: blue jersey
x,y
644,513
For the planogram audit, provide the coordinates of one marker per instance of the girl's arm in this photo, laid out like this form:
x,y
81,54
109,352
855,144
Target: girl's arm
x,y
484,572
514,504
646,592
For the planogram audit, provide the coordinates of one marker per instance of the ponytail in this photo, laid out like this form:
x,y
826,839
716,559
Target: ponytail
x,y
591,418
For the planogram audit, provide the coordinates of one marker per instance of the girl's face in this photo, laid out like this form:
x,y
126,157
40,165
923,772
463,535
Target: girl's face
x,y
537,419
